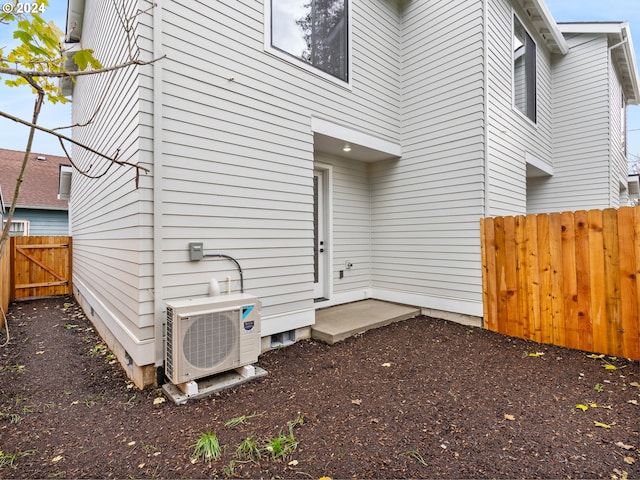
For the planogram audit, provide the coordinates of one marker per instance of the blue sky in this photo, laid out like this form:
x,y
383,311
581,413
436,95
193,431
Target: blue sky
x,y
20,102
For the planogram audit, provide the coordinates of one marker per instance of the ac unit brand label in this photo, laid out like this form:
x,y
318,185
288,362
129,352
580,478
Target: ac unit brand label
x,y
248,326
246,310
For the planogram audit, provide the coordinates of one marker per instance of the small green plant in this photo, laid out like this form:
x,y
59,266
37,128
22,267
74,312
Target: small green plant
x,y
148,448
8,459
207,447
241,419
416,456
598,387
70,326
18,368
229,470
282,445
248,449
98,349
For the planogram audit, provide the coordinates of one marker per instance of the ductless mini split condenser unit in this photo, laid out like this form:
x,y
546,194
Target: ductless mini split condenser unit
x,y
206,336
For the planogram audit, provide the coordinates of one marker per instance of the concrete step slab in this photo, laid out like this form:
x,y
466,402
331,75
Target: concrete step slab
x,y
334,324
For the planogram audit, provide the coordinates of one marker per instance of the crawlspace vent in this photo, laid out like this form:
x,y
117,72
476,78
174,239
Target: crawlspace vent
x,y
211,338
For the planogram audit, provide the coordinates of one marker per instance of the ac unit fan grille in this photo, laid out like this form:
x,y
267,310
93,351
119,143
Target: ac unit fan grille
x,y
168,364
210,339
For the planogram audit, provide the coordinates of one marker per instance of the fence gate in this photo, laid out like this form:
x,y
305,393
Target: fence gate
x,y
41,266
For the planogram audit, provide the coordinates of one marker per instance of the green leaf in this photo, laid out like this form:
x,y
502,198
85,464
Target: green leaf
x,y
608,366
24,37
84,58
39,50
582,407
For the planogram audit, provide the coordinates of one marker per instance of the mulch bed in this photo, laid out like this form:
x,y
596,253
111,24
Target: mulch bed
x,y
423,398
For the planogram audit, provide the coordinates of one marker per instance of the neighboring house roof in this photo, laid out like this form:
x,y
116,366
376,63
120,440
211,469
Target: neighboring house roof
x,y
622,52
40,183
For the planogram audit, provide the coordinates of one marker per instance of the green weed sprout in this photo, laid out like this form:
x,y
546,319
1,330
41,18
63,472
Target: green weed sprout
x,y
207,447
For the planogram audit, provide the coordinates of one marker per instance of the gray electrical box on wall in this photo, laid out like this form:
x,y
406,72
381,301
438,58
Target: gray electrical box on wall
x,y
196,250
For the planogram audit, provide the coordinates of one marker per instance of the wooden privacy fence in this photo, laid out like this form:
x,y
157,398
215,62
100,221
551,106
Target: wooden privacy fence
x,y
41,266
569,279
5,283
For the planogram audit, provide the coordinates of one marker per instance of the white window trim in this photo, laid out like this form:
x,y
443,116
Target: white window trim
x,y
19,221
514,14
301,63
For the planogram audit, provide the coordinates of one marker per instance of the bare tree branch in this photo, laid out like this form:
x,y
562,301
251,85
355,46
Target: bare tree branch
x,y
105,94
75,142
36,113
36,74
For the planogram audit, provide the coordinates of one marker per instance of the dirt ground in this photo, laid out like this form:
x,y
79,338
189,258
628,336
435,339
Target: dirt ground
x,y
422,398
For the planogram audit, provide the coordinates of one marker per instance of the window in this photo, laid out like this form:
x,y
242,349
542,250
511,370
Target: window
x,y
314,31
623,120
524,71
18,228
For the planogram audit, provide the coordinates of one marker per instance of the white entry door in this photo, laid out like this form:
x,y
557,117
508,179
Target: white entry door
x,y
320,250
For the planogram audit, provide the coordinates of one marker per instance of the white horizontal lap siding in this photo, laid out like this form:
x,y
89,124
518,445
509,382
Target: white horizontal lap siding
x,y
425,207
511,135
238,148
112,237
619,165
376,56
351,223
226,55
580,131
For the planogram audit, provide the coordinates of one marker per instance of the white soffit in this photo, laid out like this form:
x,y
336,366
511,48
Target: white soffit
x,y
539,14
75,16
633,184
537,167
331,138
64,182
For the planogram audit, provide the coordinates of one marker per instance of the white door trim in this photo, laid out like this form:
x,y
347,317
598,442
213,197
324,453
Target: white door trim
x,y
324,287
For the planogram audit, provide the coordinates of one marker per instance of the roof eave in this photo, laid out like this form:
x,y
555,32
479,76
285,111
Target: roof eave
x,y
75,15
621,32
630,55
547,27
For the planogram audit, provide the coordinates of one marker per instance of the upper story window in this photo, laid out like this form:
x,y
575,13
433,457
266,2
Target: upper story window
x,y
623,121
314,31
524,71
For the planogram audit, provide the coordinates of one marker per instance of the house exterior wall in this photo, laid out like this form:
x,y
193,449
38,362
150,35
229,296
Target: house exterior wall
x,y
511,135
351,228
44,222
226,127
238,153
619,167
111,221
581,136
425,207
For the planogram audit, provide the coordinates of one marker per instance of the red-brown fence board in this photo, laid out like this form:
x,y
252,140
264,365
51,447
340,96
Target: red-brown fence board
x,y
41,266
569,279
